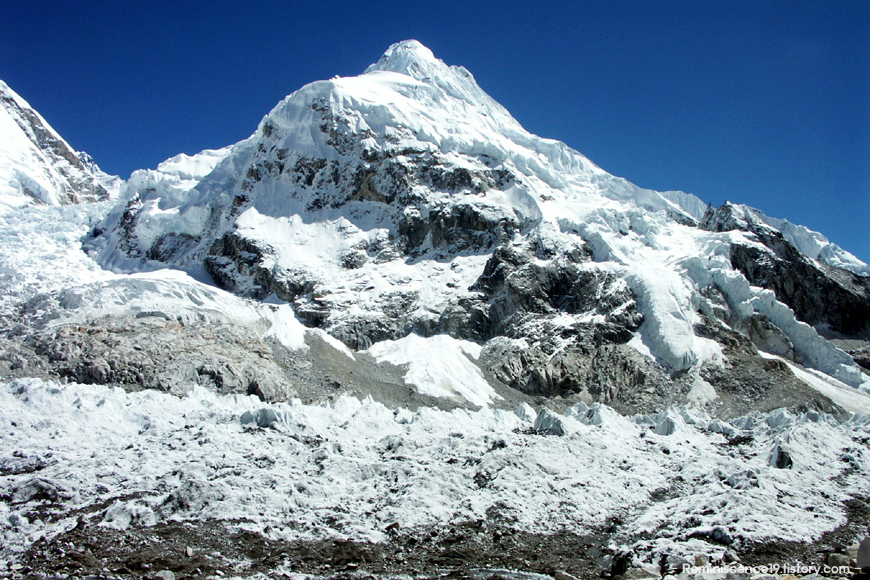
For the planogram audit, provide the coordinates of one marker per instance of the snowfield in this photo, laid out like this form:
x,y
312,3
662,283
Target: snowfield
x,y
352,468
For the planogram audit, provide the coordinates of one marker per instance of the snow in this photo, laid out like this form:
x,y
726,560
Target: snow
x,y
194,166
350,469
440,366
701,393
30,171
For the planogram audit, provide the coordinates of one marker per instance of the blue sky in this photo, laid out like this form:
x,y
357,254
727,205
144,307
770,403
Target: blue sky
x,y
765,103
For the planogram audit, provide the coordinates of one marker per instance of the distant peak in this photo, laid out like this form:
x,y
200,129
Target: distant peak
x,y
409,57
410,45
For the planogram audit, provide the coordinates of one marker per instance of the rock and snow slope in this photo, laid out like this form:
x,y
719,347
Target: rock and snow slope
x,y
406,200
38,166
399,235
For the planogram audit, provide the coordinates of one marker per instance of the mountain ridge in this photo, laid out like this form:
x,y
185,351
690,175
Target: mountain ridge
x,y
394,174
38,165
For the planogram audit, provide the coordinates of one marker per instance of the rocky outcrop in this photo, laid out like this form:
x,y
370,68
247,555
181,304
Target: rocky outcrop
x,y
835,301
158,353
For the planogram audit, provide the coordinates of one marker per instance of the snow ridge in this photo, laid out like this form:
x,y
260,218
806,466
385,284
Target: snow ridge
x,y
38,166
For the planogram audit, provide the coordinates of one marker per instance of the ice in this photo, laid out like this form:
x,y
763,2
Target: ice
x,y
365,466
440,366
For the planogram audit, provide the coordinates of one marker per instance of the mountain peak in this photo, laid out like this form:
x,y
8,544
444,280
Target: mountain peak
x,y
409,57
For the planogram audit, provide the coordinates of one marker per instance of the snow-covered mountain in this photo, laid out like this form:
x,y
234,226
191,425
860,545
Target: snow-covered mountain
x,y
38,166
394,332
406,201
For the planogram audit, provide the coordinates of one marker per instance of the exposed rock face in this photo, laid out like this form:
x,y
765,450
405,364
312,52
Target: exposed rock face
x,y
833,300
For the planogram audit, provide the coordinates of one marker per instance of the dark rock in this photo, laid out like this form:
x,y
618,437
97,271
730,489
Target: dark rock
x,y
620,564
779,458
720,535
838,560
863,558
829,298
38,489
673,565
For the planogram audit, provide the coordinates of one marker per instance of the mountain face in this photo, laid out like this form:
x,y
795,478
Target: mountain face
x,y
393,333
406,201
38,166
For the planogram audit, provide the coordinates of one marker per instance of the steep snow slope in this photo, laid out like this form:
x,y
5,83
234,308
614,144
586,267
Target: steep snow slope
x,y
38,166
407,200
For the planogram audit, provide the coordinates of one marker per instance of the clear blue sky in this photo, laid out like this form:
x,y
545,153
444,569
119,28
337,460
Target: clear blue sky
x,y
765,103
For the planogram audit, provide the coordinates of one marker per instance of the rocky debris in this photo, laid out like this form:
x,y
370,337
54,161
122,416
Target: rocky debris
x,y
746,382
672,565
20,464
859,350
838,560
474,549
153,352
570,363
37,489
158,352
639,573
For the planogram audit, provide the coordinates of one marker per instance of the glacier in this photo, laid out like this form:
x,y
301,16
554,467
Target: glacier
x,y
392,314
